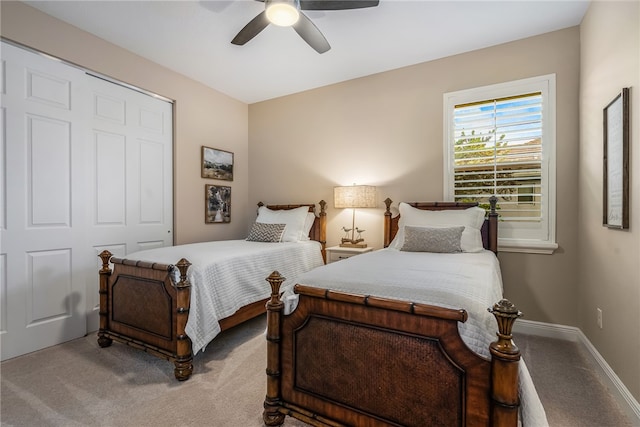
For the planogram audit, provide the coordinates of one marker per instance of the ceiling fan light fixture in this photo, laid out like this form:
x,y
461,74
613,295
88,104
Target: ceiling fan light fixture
x,y
283,13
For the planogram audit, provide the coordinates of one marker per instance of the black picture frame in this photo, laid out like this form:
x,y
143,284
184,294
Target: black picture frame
x,y
217,204
615,212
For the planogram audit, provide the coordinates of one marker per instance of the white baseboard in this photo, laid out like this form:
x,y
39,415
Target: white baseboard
x,y
569,333
548,330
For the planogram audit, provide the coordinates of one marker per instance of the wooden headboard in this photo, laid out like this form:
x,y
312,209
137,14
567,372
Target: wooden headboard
x,y
489,229
318,229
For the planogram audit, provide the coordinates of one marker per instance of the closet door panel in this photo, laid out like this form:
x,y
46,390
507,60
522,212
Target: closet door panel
x,y
49,285
132,175
43,240
151,189
110,179
49,172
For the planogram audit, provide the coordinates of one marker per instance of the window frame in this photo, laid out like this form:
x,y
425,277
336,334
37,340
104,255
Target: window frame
x,y
545,242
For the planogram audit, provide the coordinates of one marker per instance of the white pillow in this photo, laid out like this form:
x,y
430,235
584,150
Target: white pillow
x,y
471,218
308,223
294,219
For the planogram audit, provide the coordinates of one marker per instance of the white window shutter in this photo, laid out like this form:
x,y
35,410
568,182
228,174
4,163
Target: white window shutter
x,y
500,141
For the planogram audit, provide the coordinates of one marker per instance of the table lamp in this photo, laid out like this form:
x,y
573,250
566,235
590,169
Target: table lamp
x,y
353,197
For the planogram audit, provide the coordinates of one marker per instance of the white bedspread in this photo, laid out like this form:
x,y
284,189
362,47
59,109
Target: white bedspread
x,y
472,281
464,280
227,275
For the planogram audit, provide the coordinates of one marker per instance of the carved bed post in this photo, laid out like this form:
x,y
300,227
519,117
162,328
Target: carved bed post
x,y
493,224
505,356
387,222
105,273
275,307
184,360
323,228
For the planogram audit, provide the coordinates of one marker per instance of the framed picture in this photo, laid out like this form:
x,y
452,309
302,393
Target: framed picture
x,y
217,164
616,162
217,204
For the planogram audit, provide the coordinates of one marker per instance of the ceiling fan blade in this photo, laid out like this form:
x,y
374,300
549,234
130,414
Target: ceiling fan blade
x,y
252,29
337,4
311,34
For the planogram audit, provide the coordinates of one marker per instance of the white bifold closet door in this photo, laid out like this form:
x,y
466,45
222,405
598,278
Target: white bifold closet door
x,y
131,170
86,165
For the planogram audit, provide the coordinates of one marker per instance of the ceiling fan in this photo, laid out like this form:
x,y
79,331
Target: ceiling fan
x,y
288,13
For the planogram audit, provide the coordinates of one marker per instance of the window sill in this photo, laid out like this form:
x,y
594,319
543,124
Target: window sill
x,y
526,246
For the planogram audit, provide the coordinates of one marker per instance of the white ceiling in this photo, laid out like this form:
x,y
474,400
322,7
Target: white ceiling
x,y
193,37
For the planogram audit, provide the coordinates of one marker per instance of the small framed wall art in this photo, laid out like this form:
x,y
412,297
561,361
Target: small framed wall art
x,y
217,204
616,162
217,164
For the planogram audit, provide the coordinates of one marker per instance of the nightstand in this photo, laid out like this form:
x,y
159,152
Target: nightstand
x,y
336,253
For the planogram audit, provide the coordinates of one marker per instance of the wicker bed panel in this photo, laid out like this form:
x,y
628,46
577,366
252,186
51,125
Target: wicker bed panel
x,y
340,345
323,348
143,305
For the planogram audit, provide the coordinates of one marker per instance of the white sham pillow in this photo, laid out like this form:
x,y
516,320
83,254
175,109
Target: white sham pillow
x,y
294,219
471,219
308,223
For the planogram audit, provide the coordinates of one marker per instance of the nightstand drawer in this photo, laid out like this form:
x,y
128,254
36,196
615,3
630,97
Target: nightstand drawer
x,y
337,256
336,253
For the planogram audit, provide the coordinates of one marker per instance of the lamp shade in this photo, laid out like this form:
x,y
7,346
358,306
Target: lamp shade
x,y
354,196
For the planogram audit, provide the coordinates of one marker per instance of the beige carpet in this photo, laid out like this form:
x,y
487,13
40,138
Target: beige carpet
x,y
80,384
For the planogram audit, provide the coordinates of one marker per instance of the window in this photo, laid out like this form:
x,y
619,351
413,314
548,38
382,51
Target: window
x,y
500,140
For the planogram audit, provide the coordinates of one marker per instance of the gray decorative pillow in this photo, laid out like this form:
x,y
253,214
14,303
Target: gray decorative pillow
x,y
261,232
431,239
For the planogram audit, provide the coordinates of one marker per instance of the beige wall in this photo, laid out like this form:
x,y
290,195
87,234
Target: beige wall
x,y
609,259
203,116
386,130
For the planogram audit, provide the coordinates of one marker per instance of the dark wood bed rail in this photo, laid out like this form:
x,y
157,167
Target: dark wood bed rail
x,y
488,231
486,391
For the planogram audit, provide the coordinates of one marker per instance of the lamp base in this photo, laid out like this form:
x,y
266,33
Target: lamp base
x,y
353,245
356,243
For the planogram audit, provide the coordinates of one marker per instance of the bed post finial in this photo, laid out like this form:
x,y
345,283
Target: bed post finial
x,y
271,415
388,202
506,314
183,266
105,256
504,367
493,201
275,279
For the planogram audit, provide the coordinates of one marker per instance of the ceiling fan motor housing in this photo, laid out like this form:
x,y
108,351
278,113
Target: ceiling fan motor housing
x,y
283,13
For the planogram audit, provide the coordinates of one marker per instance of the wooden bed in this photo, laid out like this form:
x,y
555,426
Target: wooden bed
x,y
437,380
141,306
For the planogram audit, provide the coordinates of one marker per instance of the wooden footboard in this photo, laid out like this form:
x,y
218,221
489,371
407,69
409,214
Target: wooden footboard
x,y
140,306
342,359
